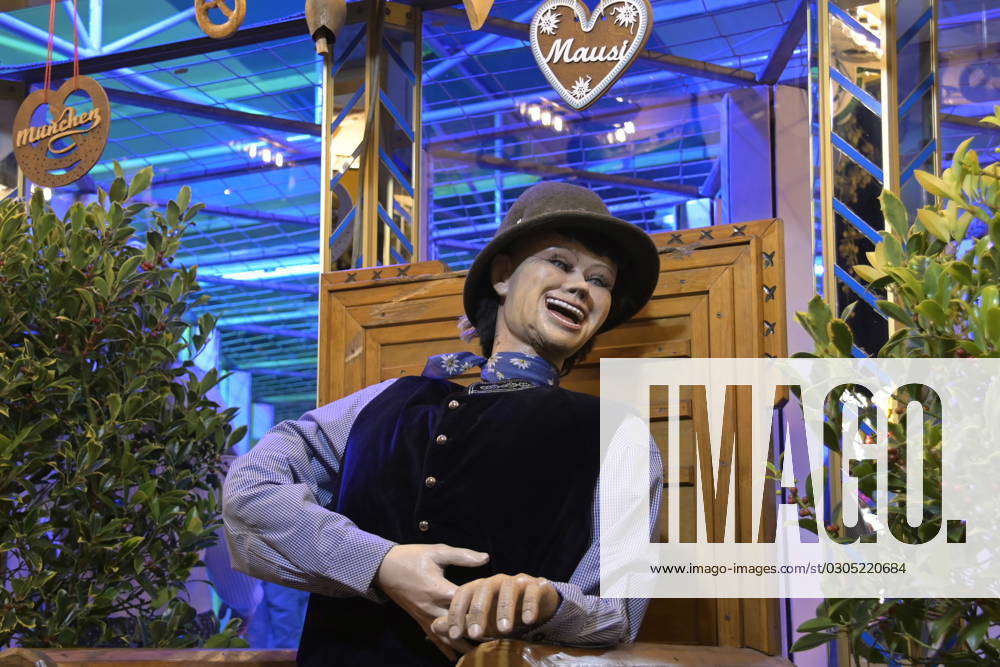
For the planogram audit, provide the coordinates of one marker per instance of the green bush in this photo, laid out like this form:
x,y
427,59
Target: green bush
x,y
109,448
942,270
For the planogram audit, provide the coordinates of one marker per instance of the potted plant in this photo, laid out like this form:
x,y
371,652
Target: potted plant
x,y
943,270
109,447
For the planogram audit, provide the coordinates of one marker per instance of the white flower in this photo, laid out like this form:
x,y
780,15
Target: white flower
x,y
520,363
548,23
450,363
581,87
626,15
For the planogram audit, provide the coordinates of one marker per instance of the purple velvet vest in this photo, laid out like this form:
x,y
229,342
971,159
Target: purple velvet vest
x,y
513,476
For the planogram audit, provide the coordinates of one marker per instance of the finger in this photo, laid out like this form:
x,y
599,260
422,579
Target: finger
x,y
479,610
458,609
532,596
447,555
510,591
440,626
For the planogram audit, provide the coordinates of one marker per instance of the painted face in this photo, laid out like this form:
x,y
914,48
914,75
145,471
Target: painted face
x,y
555,295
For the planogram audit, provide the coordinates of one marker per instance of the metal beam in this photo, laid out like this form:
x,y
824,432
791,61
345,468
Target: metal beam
x,y
533,167
260,284
235,170
161,103
782,53
244,214
28,31
295,27
686,66
269,331
96,21
956,120
272,372
80,28
149,31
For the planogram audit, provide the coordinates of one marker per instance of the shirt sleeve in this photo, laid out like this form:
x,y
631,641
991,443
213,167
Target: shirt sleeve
x,y
583,618
274,497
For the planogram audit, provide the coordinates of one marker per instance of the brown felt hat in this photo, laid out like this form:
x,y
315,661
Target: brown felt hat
x,y
562,207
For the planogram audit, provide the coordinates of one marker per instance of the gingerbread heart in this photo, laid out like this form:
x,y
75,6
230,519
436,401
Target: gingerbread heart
x,y
65,149
582,56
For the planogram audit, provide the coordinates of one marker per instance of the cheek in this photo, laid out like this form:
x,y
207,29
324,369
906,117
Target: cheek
x,y
602,304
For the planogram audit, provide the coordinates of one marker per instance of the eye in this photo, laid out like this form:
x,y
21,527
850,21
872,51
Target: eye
x,y
600,281
559,263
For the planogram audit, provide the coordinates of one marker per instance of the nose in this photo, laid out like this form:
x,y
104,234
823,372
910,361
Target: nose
x,y
577,285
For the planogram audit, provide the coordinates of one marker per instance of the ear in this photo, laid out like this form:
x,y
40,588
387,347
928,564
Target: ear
x,y
500,271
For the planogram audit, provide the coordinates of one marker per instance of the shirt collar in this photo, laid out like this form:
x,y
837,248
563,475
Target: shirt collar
x,y
499,367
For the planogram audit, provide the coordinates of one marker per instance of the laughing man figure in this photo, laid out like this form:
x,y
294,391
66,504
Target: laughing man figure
x,y
425,517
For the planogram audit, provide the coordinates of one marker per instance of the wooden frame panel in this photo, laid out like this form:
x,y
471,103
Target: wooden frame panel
x,y
716,285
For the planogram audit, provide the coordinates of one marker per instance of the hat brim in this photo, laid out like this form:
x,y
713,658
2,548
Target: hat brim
x,y
633,287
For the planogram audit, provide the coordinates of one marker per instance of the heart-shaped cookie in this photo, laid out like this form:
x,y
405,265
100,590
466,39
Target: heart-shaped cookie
x,y
63,150
582,56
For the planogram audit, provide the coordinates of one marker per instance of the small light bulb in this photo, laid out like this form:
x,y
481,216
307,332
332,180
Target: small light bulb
x,y
557,124
630,127
610,137
265,155
534,113
523,108
620,135
279,159
253,150
227,191
47,194
546,118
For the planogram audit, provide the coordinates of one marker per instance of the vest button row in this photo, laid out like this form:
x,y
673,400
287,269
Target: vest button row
x,y
424,526
430,482
453,404
441,439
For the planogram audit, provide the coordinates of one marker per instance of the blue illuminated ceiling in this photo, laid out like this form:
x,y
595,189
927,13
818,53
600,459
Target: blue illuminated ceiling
x,y
260,183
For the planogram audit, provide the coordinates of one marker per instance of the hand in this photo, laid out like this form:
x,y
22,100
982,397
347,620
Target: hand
x,y
497,605
412,576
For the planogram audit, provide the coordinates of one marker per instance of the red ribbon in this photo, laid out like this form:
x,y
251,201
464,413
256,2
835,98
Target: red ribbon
x,y
47,85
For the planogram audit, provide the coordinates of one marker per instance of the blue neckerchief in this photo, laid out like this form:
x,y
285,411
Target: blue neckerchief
x,y
501,366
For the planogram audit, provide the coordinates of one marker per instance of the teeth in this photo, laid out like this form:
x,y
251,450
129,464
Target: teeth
x,y
568,306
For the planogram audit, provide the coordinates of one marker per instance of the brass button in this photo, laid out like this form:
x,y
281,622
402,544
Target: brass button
x,y
424,526
441,439
430,481
452,404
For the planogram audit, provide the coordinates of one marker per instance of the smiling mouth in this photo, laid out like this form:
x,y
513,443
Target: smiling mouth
x,y
565,313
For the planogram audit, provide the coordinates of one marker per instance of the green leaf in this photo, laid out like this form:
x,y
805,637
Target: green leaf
x,y
841,336
892,248
818,623
184,198
932,311
868,273
961,271
975,631
993,325
934,223
140,182
936,186
811,641
895,214
118,190
895,312
819,316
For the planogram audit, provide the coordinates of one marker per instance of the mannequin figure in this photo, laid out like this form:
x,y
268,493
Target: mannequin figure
x,y
425,517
